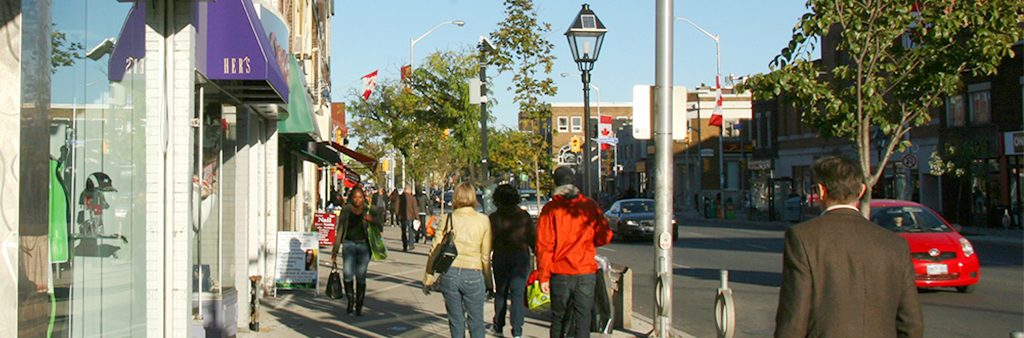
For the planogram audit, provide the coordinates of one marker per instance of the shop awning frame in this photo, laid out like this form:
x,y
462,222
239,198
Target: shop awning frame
x,y
364,159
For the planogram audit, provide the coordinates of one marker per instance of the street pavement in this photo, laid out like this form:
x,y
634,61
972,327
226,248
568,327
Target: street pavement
x,y
752,252
395,306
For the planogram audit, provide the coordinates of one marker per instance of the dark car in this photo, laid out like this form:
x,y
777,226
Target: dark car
x,y
942,257
634,219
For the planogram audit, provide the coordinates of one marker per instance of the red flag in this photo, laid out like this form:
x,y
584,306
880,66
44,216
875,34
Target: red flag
x,y
716,115
406,72
369,83
604,130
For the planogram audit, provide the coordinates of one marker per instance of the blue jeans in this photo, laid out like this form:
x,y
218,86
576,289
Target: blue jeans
x,y
408,238
356,257
576,291
464,297
510,273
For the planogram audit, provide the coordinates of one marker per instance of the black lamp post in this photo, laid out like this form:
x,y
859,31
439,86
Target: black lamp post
x,y
585,35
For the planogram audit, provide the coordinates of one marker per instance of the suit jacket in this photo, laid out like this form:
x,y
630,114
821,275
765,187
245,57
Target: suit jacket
x,y
844,276
407,207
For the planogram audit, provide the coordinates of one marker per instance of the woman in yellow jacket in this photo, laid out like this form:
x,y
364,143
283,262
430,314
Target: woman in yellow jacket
x,y
469,280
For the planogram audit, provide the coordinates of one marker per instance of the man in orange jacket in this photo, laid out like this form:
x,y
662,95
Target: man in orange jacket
x,y
569,230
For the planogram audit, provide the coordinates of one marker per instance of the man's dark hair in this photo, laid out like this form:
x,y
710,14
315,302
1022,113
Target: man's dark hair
x,y
841,177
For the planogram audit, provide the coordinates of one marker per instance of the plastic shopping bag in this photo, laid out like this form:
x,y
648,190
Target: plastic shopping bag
x,y
377,248
536,299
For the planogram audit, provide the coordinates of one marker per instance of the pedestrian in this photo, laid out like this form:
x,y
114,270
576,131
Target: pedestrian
x,y
353,233
511,257
392,204
468,280
569,230
408,210
842,275
424,204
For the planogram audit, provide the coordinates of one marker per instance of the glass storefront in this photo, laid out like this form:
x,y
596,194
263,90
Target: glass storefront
x,y
93,94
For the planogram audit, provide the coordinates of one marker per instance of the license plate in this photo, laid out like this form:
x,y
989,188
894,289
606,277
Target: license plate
x,y
938,269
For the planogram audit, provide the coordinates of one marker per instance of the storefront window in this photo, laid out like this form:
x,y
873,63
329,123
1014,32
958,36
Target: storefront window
x,y
97,235
956,112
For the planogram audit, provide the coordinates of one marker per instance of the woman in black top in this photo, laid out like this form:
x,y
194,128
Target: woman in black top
x,y
353,227
511,257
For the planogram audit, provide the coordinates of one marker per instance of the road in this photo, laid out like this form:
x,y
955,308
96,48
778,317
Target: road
x,y
753,256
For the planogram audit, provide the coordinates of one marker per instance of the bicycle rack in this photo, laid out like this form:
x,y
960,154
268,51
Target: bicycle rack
x,y
725,309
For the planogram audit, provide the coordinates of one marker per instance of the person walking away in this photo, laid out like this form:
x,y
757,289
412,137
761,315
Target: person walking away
x,y
511,258
407,212
842,275
469,279
424,210
352,234
569,230
393,207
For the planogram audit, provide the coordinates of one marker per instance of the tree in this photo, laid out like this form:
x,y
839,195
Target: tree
x,y
898,59
523,49
63,53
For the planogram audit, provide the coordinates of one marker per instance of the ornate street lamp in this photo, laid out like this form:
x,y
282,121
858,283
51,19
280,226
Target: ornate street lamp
x,y
586,35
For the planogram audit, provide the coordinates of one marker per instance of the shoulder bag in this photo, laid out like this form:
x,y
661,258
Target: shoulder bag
x,y
445,253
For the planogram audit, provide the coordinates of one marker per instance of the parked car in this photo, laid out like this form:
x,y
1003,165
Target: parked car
x,y
942,257
531,202
634,218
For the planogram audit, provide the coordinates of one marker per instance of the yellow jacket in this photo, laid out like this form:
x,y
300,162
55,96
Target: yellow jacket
x,y
472,232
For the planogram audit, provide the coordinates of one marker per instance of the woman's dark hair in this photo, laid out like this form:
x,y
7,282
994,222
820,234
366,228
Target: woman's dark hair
x,y
352,194
506,195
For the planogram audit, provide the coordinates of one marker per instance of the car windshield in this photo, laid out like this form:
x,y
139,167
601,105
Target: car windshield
x,y
637,207
908,219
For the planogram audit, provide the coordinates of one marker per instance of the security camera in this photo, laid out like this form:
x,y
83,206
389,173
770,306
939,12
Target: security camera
x,y
103,48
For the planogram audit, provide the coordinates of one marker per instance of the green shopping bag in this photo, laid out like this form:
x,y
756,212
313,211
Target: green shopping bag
x,y
537,300
377,248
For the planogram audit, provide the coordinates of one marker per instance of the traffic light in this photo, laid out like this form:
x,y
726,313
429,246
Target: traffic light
x,y
576,144
385,164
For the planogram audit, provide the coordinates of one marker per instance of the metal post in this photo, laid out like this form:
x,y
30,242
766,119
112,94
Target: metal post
x,y
700,160
600,161
586,133
721,128
663,167
483,114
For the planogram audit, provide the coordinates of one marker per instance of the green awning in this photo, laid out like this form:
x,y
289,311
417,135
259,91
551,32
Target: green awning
x,y
300,106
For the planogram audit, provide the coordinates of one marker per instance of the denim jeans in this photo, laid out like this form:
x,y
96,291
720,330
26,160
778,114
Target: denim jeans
x,y
407,235
510,273
464,297
576,291
356,255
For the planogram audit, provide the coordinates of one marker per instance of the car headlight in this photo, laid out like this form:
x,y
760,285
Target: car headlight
x,y
632,223
966,246
522,207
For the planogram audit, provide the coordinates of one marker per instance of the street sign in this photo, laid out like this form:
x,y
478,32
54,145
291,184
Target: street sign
x,y
909,161
707,152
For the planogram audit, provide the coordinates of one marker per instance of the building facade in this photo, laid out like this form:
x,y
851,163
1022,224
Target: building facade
x,y
153,150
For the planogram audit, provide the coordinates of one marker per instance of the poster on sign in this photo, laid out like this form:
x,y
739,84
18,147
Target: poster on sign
x,y
297,260
326,225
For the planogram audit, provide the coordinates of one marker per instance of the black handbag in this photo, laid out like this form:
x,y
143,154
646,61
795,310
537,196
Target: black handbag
x,y
445,253
334,289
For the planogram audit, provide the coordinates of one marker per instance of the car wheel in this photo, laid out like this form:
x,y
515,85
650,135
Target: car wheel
x,y
965,289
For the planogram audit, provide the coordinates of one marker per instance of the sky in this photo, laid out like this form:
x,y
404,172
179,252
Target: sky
x,y
369,35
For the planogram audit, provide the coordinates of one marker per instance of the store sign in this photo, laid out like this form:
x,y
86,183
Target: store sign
x,y
242,42
759,164
1013,143
297,260
325,225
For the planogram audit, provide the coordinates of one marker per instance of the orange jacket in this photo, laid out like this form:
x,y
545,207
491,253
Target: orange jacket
x,y
569,230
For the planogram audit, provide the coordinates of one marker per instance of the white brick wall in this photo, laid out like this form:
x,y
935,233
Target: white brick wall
x,y
10,141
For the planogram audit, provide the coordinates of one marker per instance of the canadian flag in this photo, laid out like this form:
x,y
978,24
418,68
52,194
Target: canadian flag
x,y
716,115
369,83
604,130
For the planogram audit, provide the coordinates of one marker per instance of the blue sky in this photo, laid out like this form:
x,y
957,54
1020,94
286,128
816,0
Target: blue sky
x,y
370,35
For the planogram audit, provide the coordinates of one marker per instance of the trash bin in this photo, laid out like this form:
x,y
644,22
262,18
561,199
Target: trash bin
x,y
730,209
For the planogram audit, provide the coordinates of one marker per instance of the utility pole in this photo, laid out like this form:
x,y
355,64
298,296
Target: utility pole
x,y
484,47
663,168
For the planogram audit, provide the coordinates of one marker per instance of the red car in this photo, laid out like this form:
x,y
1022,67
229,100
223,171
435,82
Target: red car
x,y
942,256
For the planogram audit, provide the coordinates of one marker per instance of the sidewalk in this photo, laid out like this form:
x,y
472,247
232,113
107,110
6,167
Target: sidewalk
x,y
395,306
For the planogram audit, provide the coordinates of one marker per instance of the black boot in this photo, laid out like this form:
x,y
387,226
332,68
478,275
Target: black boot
x,y
350,297
360,294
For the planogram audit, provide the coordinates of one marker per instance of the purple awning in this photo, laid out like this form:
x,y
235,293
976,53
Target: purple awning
x,y
235,51
130,46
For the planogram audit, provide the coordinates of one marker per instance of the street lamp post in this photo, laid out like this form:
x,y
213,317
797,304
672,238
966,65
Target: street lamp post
x,y
600,162
412,42
718,106
585,36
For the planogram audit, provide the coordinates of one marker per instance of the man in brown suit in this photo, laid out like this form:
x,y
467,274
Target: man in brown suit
x,y
408,209
842,275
